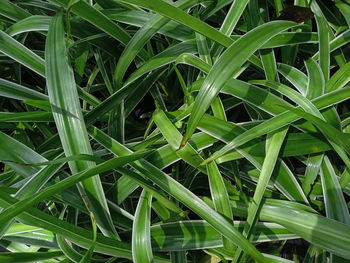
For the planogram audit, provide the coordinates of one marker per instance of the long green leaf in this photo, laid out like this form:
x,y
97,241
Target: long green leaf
x,y
12,11
335,203
280,121
98,19
141,235
69,120
21,54
223,69
319,230
68,182
15,91
273,145
185,196
219,196
28,257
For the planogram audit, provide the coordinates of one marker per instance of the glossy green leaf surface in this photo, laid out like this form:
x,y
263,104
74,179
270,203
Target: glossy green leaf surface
x,y
227,64
69,120
174,131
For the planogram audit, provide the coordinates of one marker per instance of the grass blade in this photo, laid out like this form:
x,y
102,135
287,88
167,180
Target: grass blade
x,y
220,197
21,54
223,69
141,235
13,90
68,182
273,145
335,203
69,120
28,257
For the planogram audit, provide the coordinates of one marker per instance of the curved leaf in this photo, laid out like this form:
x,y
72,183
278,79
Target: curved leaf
x,y
223,69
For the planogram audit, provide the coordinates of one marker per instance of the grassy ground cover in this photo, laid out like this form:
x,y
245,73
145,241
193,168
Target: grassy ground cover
x,y
174,131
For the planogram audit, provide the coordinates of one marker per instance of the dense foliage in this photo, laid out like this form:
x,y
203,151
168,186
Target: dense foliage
x,y
174,131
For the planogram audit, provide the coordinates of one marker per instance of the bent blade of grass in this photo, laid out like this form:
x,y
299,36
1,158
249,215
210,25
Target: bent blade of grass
x,y
32,186
22,257
230,22
142,166
137,18
166,57
296,144
175,189
225,131
35,116
294,76
141,233
323,38
336,43
140,39
291,38
313,165
175,13
318,230
191,156
12,149
220,197
339,79
332,134
69,120
279,121
16,91
30,24
17,51
77,235
24,204
335,203
233,58
273,147
12,11
179,236
316,83
173,137
182,194
303,221
98,19
303,102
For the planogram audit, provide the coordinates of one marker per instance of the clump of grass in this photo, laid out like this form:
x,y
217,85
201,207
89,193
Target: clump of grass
x,y
174,131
